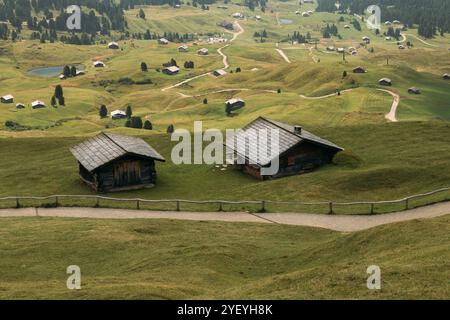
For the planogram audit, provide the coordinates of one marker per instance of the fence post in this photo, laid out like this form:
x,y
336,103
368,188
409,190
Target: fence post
x,y
56,201
263,206
220,206
372,208
97,202
178,205
17,203
138,204
331,208
407,203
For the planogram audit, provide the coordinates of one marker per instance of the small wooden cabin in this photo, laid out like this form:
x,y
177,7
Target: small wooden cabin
x,y
171,70
385,82
299,151
359,70
113,45
110,162
7,99
414,90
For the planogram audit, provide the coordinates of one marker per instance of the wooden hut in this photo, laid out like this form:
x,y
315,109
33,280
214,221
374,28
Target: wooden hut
x,y
414,90
171,70
111,162
299,151
359,70
113,45
7,99
385,82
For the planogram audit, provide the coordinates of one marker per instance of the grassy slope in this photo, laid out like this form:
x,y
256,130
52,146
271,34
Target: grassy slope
x,y
373,167
154,259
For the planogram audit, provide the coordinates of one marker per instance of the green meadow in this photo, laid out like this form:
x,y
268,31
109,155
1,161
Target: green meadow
x,y
163,259
381,160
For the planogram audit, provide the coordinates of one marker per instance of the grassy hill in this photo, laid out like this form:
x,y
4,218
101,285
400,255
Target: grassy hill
x,y
162,259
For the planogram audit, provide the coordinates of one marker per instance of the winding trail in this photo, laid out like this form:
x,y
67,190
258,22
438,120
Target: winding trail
x,y
326,96
283,55
421,40
342,223
392,115
224,60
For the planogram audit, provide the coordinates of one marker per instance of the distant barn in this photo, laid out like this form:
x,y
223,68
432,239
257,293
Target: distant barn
x,y
299,151
385,82
37,104
111,162
414,90
113,45
7,99
235,104
359,70
446,76
171,70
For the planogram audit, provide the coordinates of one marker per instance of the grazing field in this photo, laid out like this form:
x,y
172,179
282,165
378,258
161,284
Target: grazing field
x,y
162,259
372,167
381,160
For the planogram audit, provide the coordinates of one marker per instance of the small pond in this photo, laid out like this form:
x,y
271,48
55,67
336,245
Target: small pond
x,y
286,21
52,71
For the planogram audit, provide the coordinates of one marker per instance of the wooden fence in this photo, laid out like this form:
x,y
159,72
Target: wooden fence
x,y
325,207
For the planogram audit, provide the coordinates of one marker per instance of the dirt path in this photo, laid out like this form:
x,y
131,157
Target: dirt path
x,y
421,40
326,96
283,55
392,115
343,223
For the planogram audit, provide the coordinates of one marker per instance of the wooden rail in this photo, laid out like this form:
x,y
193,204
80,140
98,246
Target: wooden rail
x,y
260,205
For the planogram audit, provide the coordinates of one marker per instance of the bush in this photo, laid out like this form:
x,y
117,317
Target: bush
x,y
170,129
103,112
148,125
136,122
205,101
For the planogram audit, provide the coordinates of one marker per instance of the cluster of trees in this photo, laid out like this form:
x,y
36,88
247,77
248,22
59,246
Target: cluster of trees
x,y
189,64
110,15
58,96
69,71
171,36
356,24
298,37
262,34
329,31
430,15
252,4
171,63
393,33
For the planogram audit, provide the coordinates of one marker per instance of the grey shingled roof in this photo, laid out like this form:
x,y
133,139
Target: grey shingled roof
x,y
106,147
287,139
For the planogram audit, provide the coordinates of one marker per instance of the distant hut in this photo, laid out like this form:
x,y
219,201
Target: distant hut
x,y
37,104
80,73
299,151
414,90
183,48
331,48
346,26
385,82
20,106
98,64
219,73
401,47
7,99
171,70
110,162
203,51
113,45
366,39
305,14
163,41
235,103
359,70
62,77
118,114
237,15
446,76
340,50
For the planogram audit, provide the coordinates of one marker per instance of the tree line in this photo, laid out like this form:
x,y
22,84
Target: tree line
x,y
431,16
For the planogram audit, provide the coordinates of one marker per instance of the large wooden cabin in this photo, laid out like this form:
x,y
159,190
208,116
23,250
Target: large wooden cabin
x,y
110,162
299,151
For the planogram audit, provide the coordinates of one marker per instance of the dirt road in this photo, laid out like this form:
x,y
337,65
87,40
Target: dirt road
x,y
343,223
